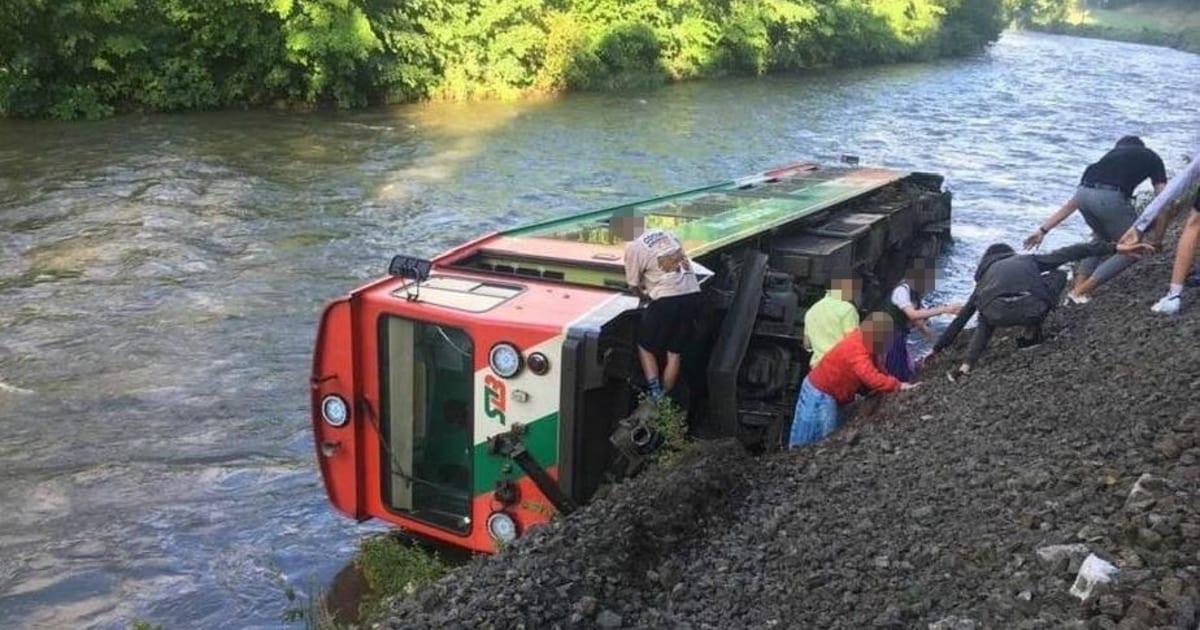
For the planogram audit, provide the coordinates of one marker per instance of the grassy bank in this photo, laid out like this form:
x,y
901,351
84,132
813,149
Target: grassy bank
x,y
1172,26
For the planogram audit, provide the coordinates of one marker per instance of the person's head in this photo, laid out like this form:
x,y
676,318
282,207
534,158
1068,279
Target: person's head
x,y
878,330
990,255
922,275
844,282
626,224
1130,141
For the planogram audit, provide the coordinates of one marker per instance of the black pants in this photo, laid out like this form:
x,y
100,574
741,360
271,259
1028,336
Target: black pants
x,y
1055,281
668,323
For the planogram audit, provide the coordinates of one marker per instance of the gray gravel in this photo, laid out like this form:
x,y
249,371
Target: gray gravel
x,y
930,514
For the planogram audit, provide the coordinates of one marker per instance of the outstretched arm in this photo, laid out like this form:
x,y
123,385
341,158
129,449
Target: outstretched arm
x,y
871,376
1053,260
1035,239
956,326
916,315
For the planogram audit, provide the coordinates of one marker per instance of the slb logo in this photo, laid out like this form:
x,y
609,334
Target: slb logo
x,y
495,396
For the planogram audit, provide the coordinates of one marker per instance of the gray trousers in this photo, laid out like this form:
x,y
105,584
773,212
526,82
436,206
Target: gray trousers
x,y
1110,214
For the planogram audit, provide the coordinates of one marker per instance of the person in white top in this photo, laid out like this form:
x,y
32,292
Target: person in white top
x,y
907,311
1189,239
656,267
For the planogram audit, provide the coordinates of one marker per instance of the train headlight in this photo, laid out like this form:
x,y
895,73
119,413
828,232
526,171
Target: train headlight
x,y
502,527
505,360
334,410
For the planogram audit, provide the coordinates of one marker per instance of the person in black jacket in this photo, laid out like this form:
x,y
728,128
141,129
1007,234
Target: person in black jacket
x,y
1019,290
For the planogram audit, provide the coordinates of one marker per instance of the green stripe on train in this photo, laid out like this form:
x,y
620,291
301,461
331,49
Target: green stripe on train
x,y
541,440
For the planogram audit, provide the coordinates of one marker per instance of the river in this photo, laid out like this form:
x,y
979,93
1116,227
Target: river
x,y
161,277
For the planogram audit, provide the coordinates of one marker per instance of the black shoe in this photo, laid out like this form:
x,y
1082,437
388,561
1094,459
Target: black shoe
x,y
1029,342
956,375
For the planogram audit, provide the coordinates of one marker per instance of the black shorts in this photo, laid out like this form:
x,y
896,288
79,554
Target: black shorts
x,y
667,323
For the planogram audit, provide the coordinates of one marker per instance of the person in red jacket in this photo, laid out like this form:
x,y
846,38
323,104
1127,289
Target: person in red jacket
x,y
834,382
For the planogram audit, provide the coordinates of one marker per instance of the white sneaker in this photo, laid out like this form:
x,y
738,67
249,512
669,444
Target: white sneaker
x,y
1169,305
1076,299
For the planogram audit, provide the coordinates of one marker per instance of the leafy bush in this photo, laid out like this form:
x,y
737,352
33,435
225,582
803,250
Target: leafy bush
x,y
91,58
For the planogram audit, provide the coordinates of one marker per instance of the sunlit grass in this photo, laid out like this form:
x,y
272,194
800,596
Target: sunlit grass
x,y
1166,19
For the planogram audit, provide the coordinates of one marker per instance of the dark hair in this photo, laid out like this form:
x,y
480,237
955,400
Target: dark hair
x,y
998,248
1130,141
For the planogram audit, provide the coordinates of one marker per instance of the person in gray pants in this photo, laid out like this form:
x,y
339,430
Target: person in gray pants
x,y
1019,290
1104,198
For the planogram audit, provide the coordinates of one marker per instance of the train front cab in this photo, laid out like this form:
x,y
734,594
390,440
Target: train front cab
x,y
427,412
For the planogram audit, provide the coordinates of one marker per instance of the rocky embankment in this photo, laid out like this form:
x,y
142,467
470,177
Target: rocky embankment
x,y
968,505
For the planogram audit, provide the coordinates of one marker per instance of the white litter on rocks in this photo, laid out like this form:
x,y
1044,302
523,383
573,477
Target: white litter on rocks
x,y
1054,553
954,623
1095,571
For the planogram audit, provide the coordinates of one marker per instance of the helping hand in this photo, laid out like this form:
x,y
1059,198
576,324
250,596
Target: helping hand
x,y
1134,249
1034,240
1130,237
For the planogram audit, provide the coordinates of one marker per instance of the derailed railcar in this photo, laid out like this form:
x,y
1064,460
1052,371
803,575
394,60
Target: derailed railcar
x,y
469,397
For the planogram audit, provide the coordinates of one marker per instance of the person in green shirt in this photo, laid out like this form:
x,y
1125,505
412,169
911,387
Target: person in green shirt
x,y
833,316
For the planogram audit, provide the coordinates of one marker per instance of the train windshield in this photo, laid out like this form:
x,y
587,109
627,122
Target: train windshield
x,y
425,381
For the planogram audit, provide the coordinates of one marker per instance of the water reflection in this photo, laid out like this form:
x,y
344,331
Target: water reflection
x,y
161,277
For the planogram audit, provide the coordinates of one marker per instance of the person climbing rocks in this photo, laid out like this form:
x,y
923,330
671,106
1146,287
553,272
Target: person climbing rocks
x,y
1019,290
905,307
1105,199
1185,254
833,316
1189,238
658,269
849,366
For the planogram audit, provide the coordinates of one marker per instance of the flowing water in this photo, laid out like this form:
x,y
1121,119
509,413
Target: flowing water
x,y
161,277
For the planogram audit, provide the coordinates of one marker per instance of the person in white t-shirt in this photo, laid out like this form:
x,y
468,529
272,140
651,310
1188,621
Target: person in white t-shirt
x,y
904,305
657,267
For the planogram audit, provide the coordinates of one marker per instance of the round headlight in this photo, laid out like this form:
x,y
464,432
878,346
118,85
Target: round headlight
x,y
538,363
502,527
334,410
505,360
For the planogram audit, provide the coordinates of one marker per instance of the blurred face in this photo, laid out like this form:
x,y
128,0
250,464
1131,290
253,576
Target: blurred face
x,y
849,288
924,276
628,228
879,331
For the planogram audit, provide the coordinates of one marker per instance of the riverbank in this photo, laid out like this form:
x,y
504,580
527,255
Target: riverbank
x,y
1171,26
942,509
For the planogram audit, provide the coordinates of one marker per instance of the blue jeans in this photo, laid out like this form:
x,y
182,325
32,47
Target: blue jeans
x,y
815,418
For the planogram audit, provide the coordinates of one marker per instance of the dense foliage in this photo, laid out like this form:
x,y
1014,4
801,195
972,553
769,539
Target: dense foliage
x,y
89,58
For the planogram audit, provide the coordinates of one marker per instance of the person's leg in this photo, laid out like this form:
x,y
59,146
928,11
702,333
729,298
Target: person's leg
x,y
979,342
1113,219
1185,251
670,374
1185,254
680,320
805,417
1093,204
649,344
827,414
1085,268
896,362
